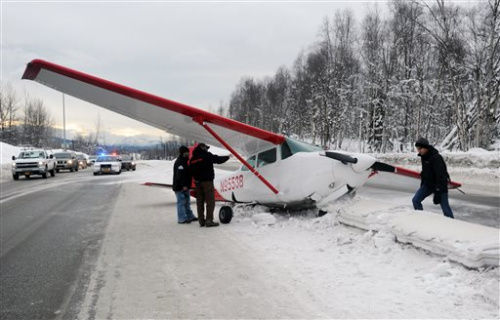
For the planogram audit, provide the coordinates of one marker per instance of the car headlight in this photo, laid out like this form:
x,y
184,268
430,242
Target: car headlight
x,y
41,163
14,165
70,161
133,163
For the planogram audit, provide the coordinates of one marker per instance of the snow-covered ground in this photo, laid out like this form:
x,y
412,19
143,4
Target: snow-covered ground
x,y
265,265
6,153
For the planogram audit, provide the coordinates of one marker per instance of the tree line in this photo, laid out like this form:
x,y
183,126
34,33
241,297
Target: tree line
x,y
24,121
430,70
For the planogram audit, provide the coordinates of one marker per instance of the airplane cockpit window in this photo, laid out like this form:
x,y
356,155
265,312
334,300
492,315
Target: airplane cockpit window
x,y
266,157
291,146
251,161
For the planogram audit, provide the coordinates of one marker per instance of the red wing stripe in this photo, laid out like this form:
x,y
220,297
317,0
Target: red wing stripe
x,y
415,174
407,172
34,67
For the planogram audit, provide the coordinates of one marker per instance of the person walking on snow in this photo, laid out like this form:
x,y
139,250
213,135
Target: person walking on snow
x,y
434,178
181,184
202,168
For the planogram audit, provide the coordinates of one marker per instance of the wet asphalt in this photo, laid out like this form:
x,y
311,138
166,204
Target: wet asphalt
x,y
49,242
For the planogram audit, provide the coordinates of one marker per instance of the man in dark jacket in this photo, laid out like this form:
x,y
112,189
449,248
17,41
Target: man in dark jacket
x,y
434,177
181,184
202,168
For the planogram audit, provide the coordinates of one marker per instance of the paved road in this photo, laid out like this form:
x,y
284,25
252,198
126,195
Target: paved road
x,y
50,233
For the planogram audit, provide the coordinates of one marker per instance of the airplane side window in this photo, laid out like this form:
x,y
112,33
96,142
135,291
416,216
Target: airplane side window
x,y
266,157
251,161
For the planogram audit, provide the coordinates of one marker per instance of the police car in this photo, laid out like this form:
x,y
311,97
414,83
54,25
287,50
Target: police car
x,y
107,164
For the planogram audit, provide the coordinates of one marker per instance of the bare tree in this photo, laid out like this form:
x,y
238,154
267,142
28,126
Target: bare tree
x,y
8,113
37,123
484,67
373,40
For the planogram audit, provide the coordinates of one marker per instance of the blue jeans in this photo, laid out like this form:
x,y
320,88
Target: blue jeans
x,y
423,193
184,212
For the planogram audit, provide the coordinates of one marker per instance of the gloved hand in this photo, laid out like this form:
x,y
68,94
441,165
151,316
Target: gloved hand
x,y
437,197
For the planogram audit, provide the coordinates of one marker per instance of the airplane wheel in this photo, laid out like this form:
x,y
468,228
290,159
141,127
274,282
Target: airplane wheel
x,y
225,214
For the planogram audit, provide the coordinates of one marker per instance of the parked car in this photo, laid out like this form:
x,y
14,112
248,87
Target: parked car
x,y
82,160
92,160
66,161
128,163
107,164
30,162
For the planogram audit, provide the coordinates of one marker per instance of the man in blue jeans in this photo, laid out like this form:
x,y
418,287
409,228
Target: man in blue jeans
x,y
181,185
434,177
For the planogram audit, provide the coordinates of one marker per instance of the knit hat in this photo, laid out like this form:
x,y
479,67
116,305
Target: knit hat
x,y
422,143
183,149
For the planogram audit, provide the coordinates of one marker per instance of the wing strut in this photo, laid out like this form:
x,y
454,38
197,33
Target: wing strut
x,y
236,154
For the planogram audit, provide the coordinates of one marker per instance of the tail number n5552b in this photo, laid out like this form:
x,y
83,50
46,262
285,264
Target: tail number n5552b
x,y
231,183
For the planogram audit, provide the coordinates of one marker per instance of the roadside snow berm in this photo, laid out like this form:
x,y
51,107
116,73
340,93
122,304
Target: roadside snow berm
x,y
469,244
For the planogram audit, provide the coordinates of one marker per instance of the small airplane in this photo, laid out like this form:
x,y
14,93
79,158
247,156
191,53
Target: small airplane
x,y
276,171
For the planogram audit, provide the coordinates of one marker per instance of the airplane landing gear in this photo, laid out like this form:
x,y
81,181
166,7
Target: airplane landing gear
x,y
225,214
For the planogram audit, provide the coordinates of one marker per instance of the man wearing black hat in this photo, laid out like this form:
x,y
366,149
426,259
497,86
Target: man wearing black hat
x,y
434,177
202,168
181,184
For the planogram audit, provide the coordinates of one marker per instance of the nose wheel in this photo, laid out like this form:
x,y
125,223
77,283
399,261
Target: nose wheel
x,y
225,214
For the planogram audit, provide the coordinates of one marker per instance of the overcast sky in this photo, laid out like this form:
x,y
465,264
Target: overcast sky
x,y
193,53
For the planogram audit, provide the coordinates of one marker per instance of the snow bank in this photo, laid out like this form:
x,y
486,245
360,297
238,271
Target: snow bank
x,y
469,244
7,151
472,245
354,273
476,158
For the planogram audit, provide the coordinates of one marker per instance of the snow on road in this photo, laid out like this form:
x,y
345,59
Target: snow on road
x,y
272,266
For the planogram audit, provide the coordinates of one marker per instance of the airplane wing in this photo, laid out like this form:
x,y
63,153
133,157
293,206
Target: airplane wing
x,y
173,117
380,166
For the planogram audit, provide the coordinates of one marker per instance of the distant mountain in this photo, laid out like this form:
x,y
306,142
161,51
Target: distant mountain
x,y
112,139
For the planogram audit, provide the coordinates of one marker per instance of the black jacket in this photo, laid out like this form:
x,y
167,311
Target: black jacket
x,y
434,172
182,176
202,164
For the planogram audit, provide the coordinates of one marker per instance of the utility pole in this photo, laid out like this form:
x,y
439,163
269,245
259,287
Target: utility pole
x,y
64,122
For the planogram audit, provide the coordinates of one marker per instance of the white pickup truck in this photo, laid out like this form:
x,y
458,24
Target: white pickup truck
x,y
35,161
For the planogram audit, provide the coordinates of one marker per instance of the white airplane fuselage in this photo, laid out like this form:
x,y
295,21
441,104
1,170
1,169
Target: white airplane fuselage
x,y
304,179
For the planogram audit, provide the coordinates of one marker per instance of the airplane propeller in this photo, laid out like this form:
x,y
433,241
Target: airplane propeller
x,y
384,167
344,158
